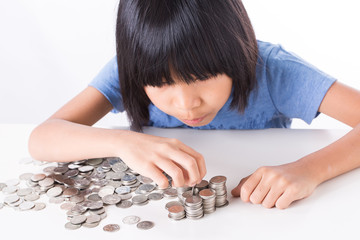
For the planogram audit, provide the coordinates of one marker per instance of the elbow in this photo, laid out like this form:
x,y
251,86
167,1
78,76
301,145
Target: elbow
x,y
35,144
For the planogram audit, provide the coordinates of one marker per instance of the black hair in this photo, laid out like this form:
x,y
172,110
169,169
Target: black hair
x,y
157,40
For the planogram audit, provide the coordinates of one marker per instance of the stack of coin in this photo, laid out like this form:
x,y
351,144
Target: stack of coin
x,y
202,185
181,190
218,184
185,195
208,196
176,212
194,207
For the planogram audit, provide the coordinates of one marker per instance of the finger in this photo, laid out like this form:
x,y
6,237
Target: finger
x,y
271,198
236,191
260,192
187,162
157,176
198,157
285,200
249,186
173,170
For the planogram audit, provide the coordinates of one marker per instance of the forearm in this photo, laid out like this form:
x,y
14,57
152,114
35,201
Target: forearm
x,y
337,158
62,141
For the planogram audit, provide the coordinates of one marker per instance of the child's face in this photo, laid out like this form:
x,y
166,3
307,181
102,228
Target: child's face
x,y
194,104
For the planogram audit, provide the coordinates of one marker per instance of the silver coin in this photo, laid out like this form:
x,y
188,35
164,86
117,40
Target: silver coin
x,y
146,188
123,190
126,196
69,192
139,199
46,182
10,189
54,192
144,179
86,168
26,176
94,161
145,225
170,193
39,206
90,225
77,199
111,199
155,196
11,199
124,204
26,206
38,177
12,182
71,226
26,160
56,200
67,206
78,219
97,211
131,219
24,192
94,197
111,228
107,190
94,218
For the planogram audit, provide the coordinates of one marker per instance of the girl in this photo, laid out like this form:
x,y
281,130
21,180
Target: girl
x,y
197,64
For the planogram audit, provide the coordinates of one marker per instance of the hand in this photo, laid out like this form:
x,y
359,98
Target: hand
x,y
277,185
151,155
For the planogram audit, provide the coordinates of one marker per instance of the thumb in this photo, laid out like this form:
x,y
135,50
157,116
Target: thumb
x,y
236,191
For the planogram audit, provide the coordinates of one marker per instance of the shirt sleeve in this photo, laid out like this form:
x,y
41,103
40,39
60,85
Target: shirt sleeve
x,y
107,82
295,86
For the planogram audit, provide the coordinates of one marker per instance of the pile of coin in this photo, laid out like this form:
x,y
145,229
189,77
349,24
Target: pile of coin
x,y
208,196
84,189
218,184
201,199
194,207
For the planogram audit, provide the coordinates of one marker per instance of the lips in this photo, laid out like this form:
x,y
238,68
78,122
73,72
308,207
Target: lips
x,y
194,120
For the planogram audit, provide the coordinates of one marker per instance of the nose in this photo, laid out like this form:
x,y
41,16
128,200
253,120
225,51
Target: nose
x,y
186,97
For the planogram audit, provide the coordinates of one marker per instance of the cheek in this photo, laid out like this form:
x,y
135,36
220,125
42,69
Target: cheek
x,y
158,96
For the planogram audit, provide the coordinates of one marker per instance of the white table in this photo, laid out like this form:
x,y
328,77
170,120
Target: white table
x,y
331,212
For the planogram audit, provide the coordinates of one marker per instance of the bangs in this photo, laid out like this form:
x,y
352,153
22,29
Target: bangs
x,y
177,40
162,42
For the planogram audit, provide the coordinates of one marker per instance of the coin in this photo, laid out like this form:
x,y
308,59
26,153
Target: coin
x,y
94,218
26,176
78,219
131,219
38,177
155,196
24,191
12,182
111,228
54,192
111,199
26,206
172,203
145,225
32,197
124,204
71,226
39,206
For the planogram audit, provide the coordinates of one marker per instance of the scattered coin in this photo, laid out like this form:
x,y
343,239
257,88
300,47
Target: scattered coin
x,y
111,228
131,219
71,226
39,206
145,225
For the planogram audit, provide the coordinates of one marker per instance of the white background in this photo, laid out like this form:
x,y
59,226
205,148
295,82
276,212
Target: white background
x,y
50,50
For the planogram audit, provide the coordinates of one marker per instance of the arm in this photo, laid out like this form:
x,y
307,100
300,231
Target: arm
x,y
281,185
68,136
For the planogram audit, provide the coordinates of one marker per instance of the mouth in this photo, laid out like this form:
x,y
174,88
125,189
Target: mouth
x,y
194,120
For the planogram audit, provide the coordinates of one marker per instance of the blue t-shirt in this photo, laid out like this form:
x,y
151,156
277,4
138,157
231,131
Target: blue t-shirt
x,y
288,87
